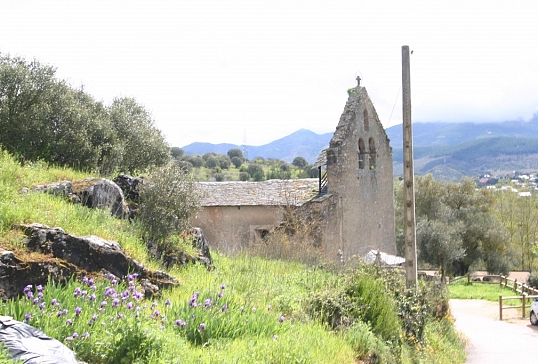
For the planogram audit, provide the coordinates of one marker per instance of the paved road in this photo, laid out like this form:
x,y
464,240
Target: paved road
x,y
491,341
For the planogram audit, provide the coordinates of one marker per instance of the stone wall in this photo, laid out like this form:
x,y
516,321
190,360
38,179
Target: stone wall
x,y
360,179
232,228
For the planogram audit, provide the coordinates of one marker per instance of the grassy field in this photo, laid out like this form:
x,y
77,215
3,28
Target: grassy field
x,y
247,310
479,291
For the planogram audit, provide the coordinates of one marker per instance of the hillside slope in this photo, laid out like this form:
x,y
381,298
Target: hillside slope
x,y
302,143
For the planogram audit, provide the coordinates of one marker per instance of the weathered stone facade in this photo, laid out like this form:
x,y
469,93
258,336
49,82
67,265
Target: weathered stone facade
x,y
351,216
237,213
358,206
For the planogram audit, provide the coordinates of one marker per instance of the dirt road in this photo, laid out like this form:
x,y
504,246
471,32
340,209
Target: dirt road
x,y
491,341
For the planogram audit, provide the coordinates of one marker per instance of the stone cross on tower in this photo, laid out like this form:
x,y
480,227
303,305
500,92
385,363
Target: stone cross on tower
x,y
358,80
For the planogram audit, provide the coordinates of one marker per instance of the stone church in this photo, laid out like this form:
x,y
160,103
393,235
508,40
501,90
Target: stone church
x,y
351,202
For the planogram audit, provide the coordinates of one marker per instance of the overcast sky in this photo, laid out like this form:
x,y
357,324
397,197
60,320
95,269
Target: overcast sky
x,y
255,71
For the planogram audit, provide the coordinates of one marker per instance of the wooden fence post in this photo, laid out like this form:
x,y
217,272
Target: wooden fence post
x,y
501,282
523,302
500,307
468,278
515,285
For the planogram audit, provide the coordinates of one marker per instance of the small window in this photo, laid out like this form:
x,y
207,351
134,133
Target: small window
x,y
261,234
362,153
366,120
373,153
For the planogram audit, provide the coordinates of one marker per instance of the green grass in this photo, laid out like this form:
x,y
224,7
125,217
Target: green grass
x,y
479,291
262,317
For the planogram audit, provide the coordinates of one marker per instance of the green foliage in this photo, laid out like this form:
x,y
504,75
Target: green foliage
x,y
206,156
440,243
211,161
299,162
176,152
533,280
5,358
367,345
478,291
235,152
244,176
42,117
236,161
358,298
452,218
142,144
266,289
195,160
519,217
168,200
444,345
256,171
224,161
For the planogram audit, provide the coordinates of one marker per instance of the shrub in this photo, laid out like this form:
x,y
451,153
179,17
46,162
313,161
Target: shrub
x,y
299,162
224,161
211,161
533,280
167,202
236,161
244,176
359,298
256,171
195,160
235,153
366,345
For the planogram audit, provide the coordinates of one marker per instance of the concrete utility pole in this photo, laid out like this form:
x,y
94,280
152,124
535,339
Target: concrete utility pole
x,y
409,176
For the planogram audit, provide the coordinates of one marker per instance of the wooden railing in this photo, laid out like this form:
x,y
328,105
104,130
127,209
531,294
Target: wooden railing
x,y
525,299
487,279
517,286
527,293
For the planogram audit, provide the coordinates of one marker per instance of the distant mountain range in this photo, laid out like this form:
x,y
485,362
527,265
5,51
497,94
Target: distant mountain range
x,y
302,143
447,150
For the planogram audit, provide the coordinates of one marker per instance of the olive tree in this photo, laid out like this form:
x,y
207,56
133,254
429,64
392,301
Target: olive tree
x,y
299,162
142,143
169,199
456,228
235,152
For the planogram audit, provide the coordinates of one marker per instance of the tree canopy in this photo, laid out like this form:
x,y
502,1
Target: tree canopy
x,y
456,228
43,117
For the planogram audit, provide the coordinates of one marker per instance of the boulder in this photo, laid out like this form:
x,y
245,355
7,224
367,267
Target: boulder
x,y
104,194
129,186
61,188
74,255
15,274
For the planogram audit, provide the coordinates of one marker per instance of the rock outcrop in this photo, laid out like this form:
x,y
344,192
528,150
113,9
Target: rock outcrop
x,y
71,255
92,192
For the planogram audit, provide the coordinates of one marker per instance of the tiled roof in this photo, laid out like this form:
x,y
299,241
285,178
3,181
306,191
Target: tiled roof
x,y
275,192
322,159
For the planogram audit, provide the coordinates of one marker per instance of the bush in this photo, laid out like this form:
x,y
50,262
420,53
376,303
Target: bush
x,y
244,176
211,161
360,298
299,162
236,161
167,202
368,346
256,171
235,153
533,280
195,160
224,161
